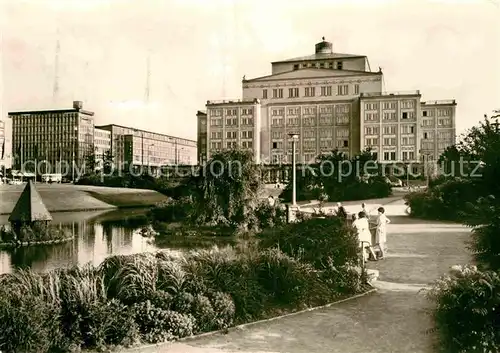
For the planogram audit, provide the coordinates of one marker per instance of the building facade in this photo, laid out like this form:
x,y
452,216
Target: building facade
x,y
332,101
102,146
52,139
135,147
231,124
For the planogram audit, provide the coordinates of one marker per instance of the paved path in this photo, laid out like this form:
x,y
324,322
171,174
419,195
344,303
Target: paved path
x,y
392,320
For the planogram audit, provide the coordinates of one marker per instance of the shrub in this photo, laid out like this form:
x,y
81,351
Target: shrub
x,y
225,310
466,314
288,282
204,313
270,216
172,210
28,324
159,325
315,241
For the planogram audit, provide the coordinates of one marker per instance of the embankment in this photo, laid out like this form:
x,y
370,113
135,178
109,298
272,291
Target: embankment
x,y
67,197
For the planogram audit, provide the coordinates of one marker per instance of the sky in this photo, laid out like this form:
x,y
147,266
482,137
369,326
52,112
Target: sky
x,y
200,50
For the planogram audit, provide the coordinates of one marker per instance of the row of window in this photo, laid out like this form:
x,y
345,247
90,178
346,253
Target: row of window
x,y
279,122
323,91
374,116
391,105
214,135
441,145
279,135
320,65
214,146
231,121
327,109
231,111
311,144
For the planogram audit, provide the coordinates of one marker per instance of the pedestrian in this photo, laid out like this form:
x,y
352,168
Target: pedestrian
x,y
363,209
364,236
381,232
341,212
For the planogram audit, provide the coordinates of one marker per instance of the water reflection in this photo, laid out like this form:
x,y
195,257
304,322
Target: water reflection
x,y
97,236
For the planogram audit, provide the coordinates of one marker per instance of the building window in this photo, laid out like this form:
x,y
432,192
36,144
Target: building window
x,y
426,135
340,65
424,113
326,90
277,92
310,91
346,143
275,144
293,92
264,94
342,90
296,66
356,89
405,115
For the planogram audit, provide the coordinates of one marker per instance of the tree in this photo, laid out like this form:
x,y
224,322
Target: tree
x,y
91,162
226,190
108,162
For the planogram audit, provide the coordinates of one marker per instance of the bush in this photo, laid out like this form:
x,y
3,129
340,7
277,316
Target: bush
x,y
446,199
28,324
466,315
37,232
270,216
158,325
172,210
315,241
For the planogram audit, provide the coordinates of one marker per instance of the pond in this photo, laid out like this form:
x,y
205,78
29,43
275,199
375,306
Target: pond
x,y
98,235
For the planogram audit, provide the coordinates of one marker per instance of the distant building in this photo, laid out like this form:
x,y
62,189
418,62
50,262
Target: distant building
x,y
233,124
137,147
3,147
102,145
52,136
332,101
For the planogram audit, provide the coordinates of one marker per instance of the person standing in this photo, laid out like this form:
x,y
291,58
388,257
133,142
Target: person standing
x,y
381,232
364,236
341,212
363,209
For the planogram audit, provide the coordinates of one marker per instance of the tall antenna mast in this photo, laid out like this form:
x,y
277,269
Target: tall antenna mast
x,y
55,93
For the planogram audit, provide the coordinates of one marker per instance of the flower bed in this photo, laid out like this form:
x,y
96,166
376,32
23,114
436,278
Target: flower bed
x,y
151,298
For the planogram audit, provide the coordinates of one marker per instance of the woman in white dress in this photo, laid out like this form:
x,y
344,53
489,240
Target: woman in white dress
x,y
365,237
381,234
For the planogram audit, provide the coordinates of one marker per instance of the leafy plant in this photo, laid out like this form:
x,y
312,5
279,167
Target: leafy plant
x,y
466,314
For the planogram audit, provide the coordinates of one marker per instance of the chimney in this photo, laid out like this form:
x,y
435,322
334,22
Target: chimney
x,y
78,105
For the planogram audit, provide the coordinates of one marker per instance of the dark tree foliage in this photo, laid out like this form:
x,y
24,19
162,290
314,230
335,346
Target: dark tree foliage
x,y
340,178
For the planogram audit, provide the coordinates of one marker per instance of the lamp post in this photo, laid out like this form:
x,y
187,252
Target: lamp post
x,y
294,138
149,153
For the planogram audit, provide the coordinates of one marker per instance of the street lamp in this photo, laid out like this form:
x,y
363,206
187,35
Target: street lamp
x,y
294,138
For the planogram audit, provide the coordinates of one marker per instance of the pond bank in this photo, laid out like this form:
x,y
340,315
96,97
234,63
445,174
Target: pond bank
x,y
68,197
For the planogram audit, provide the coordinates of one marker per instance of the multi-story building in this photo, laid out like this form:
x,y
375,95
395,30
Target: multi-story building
x,y
102,145
52,137
201,142
332,101
135,147
438,127
3,152
230,124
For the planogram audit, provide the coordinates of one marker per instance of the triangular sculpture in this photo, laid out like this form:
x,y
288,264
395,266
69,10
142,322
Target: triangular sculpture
x,y
29,207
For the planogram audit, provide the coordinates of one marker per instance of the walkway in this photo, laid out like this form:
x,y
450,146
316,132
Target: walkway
x,y
392,320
